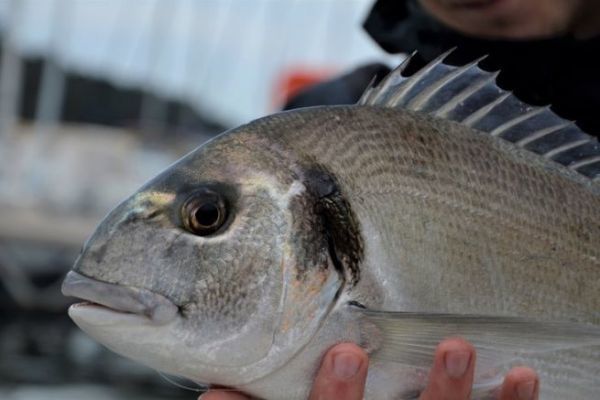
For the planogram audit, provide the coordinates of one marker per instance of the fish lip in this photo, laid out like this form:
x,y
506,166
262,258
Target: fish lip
x,y
120,299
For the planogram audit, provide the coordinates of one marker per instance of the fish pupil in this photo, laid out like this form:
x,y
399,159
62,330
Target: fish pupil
x,y
207,215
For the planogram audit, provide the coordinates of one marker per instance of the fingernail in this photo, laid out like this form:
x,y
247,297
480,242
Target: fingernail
x,y
457,363
346,365
525,390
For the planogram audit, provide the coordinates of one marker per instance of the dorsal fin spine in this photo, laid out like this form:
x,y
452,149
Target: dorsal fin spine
x,y
373,96
584,162
370,88
483,111
510,123
410,83
477,102
464,94
565,147
418,101
541,133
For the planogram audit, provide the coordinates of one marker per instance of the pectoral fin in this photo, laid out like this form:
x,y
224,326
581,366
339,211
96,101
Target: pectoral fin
x,y
411,338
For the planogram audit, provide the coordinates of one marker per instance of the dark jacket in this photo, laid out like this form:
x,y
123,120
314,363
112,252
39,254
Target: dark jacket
x,y
561,71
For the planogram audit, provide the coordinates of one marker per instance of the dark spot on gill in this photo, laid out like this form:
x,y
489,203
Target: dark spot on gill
x,y
343,232
339,267
341,226
320,183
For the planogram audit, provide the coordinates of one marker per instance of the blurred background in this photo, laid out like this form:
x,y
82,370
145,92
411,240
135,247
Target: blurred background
x,y
96,96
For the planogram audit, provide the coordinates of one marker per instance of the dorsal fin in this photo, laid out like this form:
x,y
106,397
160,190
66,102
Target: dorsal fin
x,y
469,95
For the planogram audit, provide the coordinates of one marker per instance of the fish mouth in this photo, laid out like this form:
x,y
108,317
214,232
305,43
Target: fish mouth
x,y
107,303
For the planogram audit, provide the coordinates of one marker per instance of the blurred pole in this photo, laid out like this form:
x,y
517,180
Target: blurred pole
x,y
52,88
16,282
49,103
184,118
50,99
264,52
11,71
153,112
252,51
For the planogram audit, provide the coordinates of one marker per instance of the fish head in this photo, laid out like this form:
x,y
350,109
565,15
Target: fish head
x,y
217,270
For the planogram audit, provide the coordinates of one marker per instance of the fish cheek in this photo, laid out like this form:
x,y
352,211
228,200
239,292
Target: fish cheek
x,y
237,287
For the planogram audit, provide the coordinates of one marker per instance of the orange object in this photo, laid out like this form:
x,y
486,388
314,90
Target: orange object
x,y
295,79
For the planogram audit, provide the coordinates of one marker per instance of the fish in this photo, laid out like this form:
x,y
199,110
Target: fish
x,y
439,205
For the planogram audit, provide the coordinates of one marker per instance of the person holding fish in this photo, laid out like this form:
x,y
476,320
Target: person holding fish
x,y
343,375
274,258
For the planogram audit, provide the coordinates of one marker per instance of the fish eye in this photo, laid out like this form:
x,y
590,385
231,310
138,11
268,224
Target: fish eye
x,y
204,212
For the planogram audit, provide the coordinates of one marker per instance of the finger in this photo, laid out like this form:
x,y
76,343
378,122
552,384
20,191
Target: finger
x,y
342,374
451,376
521,383
222,395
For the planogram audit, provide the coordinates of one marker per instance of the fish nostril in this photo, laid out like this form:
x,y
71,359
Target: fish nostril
x,y
153,214
141,215
133,217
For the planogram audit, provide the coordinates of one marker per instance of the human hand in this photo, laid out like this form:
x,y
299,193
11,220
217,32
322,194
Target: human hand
x,y
343,374
451,377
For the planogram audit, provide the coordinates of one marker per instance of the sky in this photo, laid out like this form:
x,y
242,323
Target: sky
x,y
221,56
